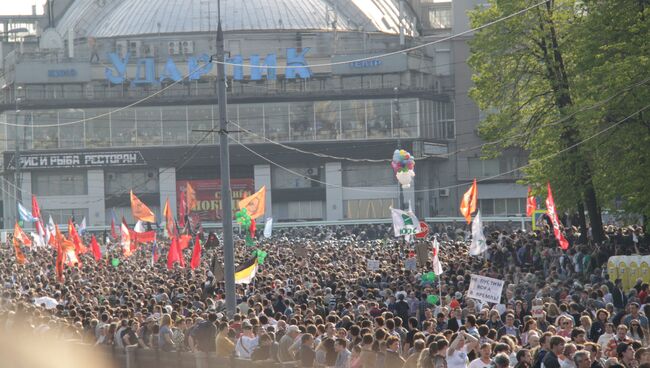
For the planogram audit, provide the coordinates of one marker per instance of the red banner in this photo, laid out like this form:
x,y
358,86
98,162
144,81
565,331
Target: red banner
x,y
208,207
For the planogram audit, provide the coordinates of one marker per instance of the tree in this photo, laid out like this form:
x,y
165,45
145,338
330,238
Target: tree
x,y
527,70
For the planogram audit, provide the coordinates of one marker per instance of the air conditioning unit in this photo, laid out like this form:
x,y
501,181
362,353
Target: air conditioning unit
x,y
134,48
312,171
188,47
174,47
443,192
121,48
148,51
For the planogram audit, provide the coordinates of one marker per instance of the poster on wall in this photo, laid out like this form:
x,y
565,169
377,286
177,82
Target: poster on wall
x,y
208,207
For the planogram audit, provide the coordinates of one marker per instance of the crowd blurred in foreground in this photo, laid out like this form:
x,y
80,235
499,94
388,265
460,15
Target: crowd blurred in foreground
x,y
314,301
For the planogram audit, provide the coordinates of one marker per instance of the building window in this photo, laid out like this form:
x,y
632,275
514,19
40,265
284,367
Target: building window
x,y
60,183
440,17
368,175
479,168
298,210
282,179
503,207
120,182
61,216
368,208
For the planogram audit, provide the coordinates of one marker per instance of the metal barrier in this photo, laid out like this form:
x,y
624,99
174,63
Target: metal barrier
x,y
514,221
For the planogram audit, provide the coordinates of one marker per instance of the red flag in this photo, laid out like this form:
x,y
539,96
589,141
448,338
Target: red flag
x,y
79,247
125,239
184,241
95,248
531,203
113,230
169,219
252,228
173,254
58,266
145,237
468,204
140,210
20,235
40,227
191,198
181,210
196,254
552,213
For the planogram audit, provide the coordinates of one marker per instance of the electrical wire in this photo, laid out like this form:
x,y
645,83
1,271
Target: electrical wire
x,y
365,189
409,49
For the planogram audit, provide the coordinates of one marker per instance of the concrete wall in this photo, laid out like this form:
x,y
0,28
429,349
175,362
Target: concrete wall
x,y
167,185
334,192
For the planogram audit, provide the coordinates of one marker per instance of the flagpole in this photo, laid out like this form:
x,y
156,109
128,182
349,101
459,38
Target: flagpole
x,y
226,197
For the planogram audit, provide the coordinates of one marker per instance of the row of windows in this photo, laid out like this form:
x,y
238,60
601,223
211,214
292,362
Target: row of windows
x,y
182,125
503,207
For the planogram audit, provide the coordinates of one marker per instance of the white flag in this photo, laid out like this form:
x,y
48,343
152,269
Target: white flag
x,y
478,246
139,227
82,227
50,231
437,267
268,227
405,223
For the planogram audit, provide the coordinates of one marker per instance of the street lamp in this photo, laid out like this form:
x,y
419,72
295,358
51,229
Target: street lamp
x,y
398,126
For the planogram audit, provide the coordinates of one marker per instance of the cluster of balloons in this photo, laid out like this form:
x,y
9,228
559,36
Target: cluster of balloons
x,y
261,255
429,277
247,223
403,165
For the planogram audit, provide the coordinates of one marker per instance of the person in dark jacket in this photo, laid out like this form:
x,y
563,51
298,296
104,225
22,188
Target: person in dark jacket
x,y
556,348
393,358
263,350
306,354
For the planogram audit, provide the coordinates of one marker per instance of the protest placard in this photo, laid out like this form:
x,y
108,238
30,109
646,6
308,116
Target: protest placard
x,y
537,311
485,289
410,264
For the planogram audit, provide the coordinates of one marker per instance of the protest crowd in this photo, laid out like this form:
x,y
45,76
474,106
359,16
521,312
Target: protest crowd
x,y
315,301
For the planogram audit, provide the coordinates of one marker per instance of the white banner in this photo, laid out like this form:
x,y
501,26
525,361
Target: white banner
x,y
485,289
268,227
373,265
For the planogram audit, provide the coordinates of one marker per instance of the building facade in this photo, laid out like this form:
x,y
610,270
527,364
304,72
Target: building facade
x,y
109,96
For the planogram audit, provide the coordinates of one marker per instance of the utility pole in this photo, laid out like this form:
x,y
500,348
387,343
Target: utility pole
x,y
226,197
18,178
398,127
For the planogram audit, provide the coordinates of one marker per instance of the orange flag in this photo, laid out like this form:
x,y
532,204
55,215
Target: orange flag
x,y
191,198
531,203
79,246
255,203
140,210
20,257
468,204
20,235
169,219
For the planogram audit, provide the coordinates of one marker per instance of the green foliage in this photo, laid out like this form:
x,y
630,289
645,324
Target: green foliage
x,y
558,74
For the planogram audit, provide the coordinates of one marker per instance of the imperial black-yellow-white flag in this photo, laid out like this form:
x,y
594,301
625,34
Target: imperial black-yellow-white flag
x,y
245,273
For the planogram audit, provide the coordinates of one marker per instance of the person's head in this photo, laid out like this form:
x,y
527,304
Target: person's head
x,y
556,344
581,359
625,352
634,308
533,340
485,351
602,315
621,331
593,349
609,328
166,320
501,361
265,339
524,356
642,355
307,339
340,345
578,335
392,343
510,319
367,340
293,331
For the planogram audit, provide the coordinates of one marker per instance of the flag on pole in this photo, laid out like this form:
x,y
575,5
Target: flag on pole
x,y
20,236
140,210
196,254
404,223
139,227
169,220
246,272
24,213
82,227
20,257
51,232
552,213
181,210
255,203
94,246
468,204
113,229
479,244
79,247
154,253
173,255
268,227
125,239
436,265
531,203
41,237
191,198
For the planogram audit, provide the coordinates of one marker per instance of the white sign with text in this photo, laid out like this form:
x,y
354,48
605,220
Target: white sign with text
x,y
485,289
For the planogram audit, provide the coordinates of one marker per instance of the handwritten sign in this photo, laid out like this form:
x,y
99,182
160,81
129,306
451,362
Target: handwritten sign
x,y
485,289
537,311
410,264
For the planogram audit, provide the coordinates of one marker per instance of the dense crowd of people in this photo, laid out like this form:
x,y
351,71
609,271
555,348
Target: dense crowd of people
x,y
314,301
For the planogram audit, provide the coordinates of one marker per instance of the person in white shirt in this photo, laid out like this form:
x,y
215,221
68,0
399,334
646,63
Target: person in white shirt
x,y
461,344
484,360
247,342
